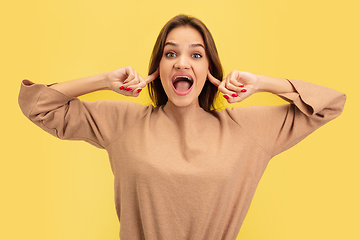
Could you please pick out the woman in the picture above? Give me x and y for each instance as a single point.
(182, 170)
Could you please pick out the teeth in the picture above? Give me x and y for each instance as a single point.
(183, 77)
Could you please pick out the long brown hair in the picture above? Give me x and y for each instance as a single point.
(209, 91)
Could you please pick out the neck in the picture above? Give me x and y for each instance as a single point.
(180, 114)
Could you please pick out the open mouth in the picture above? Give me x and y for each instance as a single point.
(182, 84)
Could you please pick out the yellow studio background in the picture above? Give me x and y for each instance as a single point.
(56, 190)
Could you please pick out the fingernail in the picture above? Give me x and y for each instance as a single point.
(226, 96)
(128, 89)
(234, 95)
(139, 90)
(241, 85)
(122, 88)
(243, 90)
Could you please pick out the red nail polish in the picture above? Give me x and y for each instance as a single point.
(243, 90)
(234, 95)
(139, 90)
(128, 89)
(241, 85)
(122, 88)
(226, 96)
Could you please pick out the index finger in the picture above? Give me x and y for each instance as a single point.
(213, 80)
(152, 76)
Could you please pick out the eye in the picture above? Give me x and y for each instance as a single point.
(170, 54)
(197, 55)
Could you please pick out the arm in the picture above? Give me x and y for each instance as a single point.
(239, 85)
(277, 128)
(125, 81)
(274, 85)
(56, 109)
(83, 86)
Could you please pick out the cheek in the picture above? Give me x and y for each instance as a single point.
(203, 70)
(163, 68)
(205, 67)
(203, 76)
(163, 75)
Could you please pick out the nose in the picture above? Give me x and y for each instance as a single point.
(182, 63)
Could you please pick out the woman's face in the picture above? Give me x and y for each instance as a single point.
(183, 66)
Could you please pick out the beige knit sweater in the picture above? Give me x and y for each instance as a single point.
(183, 173)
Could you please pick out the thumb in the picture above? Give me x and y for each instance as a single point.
(152, 76)
(213, 80)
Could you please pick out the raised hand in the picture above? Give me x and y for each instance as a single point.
(127, 81)
(237, 85)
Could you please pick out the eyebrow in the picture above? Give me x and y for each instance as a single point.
(191, 45)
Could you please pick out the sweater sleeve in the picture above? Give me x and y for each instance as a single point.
(277, 128)
(98, 123)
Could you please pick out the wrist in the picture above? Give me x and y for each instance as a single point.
(104, 81)
(261, 84)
